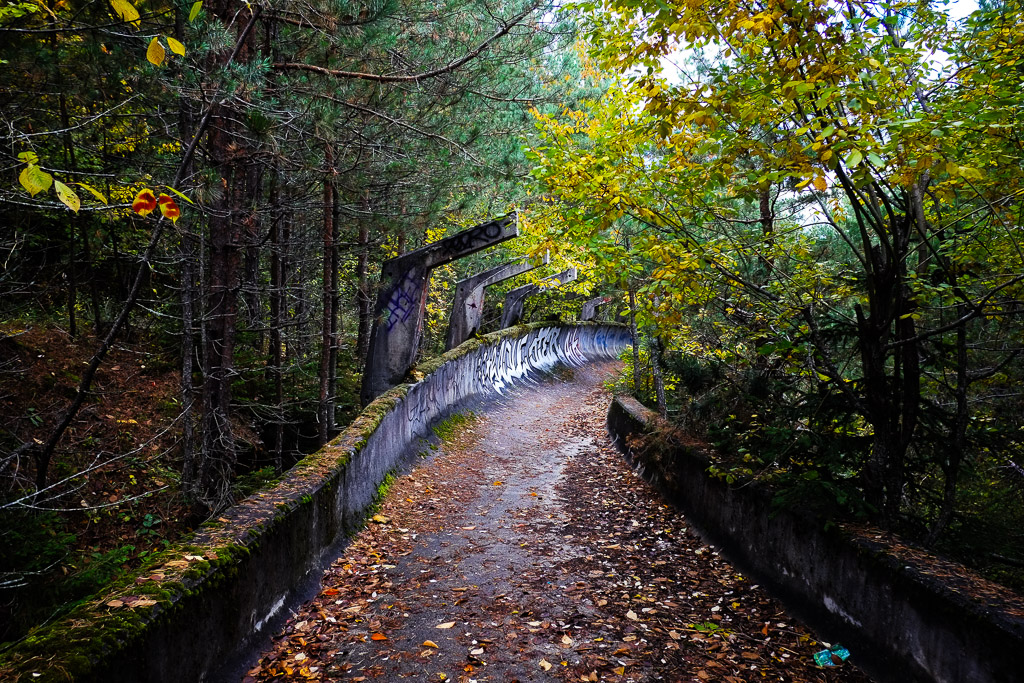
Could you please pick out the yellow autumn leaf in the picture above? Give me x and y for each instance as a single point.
(155, 52)
(447, 624)
(126, 11)
(820, 184)
(194, 12)
(171, 189)
(177, 47)
(96, 193)
(35, 179)
(430, 643)
(67, 196)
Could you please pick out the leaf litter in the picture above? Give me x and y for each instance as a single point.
(572, 569)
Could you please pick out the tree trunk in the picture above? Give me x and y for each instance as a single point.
(231, 156)
(189, 294)
(324, 412)
(277, 308)
(634, 337)
(891, 390)
(363, 295)
(956, 447)
(219, 449)
(767, 217)
(657, 353)
(332, 369)
(72, 283)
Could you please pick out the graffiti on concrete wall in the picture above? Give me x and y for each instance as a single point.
(468, 239)
(404, 300)
(499, 366)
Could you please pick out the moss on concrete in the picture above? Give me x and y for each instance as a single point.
(94, 636)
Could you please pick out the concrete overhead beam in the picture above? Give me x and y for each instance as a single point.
(468, 306)
(401, 303)
(512, 312)
(590, 307)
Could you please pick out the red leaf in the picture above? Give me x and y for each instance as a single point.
(145, 202)
(168, 208)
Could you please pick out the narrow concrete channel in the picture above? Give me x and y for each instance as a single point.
(525, 550)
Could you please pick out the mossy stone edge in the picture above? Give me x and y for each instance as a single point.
(91, 641)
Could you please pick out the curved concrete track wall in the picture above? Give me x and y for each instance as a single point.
(904, 615)
(191, 613)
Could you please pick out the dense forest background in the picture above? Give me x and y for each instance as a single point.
(198, 200)
(816, 208)
(810, 210)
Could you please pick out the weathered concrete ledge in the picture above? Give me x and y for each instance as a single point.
(905, 615)
(195, 607)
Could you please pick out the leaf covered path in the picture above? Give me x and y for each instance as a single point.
(526, 550)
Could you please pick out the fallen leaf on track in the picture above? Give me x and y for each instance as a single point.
(447, 624)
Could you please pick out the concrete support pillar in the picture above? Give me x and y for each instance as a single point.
(590, 307)
(512, 313)
(401, 303)
(468, 306)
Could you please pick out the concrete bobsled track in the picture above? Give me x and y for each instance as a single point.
(194, 611)
(906, 616)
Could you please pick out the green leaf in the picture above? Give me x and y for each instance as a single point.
(855, 156)
(876, 160)
(194, 12)
(171, 189)
(35, 180)
(126, 11)
(67, 196)
(29, 158)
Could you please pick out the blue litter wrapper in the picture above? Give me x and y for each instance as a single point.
(828, 657)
